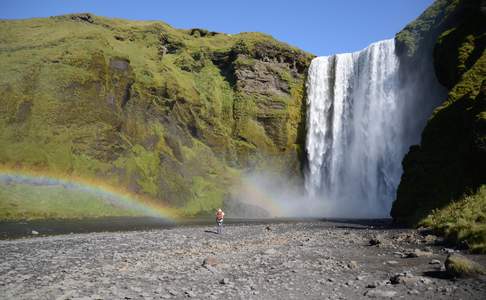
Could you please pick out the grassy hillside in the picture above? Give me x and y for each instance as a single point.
(24, 201)
(173, 115)
(462, 221)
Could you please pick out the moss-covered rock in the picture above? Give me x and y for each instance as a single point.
(460, 266)
(170, 114)
(419, 36)
(451, 159)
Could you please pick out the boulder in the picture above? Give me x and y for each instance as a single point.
(460, 266)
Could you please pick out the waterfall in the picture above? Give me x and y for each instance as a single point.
(359, 128)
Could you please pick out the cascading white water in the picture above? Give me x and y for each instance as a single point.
(357, 131)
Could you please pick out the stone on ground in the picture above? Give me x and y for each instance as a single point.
(459, 266)
(380, 293)
(210, 261)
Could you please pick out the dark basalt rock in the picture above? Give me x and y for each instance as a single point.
(84, 17)
(374, 242)
(450, 161)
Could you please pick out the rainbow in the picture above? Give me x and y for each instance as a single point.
(278, 199)
(257, 196)
(144, 205)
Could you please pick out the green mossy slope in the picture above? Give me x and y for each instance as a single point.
(173, 115)
(462, 221)
(419, 36)
(451, 159)
(26, 201)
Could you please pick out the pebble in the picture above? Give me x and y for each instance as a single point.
(413, 292)
(172, 292)
(210, 261)
(418, 253)
(353, 264)
(270, 251)
(403, 278)
(448, 250)
(185, 262)
(190, 294)
(376, 293)
(430, 238)
(374, 241)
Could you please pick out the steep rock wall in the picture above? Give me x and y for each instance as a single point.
(451, 159)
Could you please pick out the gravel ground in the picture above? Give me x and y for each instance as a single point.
(296, 260)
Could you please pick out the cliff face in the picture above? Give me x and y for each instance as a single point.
(451, 159)
(174, 115)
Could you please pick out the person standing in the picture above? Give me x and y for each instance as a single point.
(219, 220)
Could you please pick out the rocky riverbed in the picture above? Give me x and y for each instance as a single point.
(288, 260)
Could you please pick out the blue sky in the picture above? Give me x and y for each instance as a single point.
(321, 27)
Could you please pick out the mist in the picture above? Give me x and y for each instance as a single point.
(364, 110)
(265, 194)
(270, 195)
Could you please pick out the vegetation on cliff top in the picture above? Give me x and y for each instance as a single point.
(173, 115)
(419, 36)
